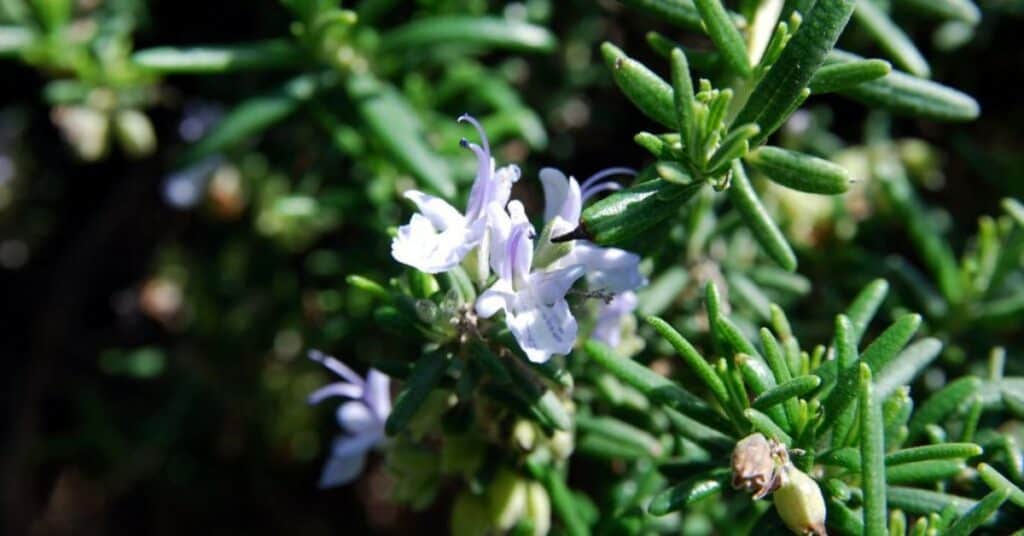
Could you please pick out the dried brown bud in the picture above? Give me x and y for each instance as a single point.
(755, 464)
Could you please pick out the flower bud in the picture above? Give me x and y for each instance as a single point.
(538, 508)
(506, 499)
(135, 133)
(799, 502)
(85, 129)
(754, 466)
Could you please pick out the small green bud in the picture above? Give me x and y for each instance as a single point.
(538, 508)
(561, 444)
(135, 133)
(506, 499)
(470, 516)
(547, 251)
(524, 433)
(800, 503)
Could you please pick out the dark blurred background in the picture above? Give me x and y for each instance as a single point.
(216, 438)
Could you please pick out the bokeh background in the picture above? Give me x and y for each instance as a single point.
(154, 381)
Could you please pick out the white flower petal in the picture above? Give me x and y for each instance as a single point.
(355, 417)
(541, 330)
(552, 285)
(608, 328)
(339, 471)
(378, 394)
(420, 245)
(497, 298)
(610, 269)
(556, 188)
(440, 214)
(347, 390)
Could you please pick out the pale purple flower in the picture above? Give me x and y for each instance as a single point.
(361, 417)
(533, 300)
(438, 237)
(608, 269)
(184, 188)
(608, 328)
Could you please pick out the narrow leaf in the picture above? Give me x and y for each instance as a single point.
(658, 388)
(905, 367)
(979, 513)
(785, 83)
(942, 403)
(382, 107)
(865, 305)
(682, 89)
(891, 38)
(800, 171)
(733, 146)
(688, 492)
(924, 472)
(840, 76)
(487, 32)
(652, 95)
(747, 203)
(562, 500)
(725, 35)
(920, 501)
(261, 55)
(796, 387)
(619, 432)
(425, 376)
(692, 358)
(904, 94)
(872, 455)
(941, 451)
(962, 10)
(996, 480)
(680, 13)
(764, 424)
(253, 116)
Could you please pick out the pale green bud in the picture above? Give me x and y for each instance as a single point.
(85, 129)
(506, 498)
(524, 433)
(561, 444)
(538, 508)
(135, 133)
(547, 251)
(800, 503)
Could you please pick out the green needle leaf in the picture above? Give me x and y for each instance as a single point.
(979, 513)
(254, 115)
(891, 38)
(924, 502)
(725, 35)
(680, 13)
(764, 424)
(800, 171)
(796, 387)
(688, 492)
(785, 83)
(872, 455)
(658, 388)
(382, 107)
(904, 94)
(905, 367)
(684, 105)
(840, 76)
(933, 452)
(996, 480)
(485, 32)
(733, 146)
(619, 432)
(562, 500)
(262, 55)
(924, 472)
(652, 95)
(942, 403)
(692, 358)
(747, 203)
(865, 305)
(962, 10)
(425, 376)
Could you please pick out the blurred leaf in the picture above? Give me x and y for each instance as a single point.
(213, 59)
(488, 32)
